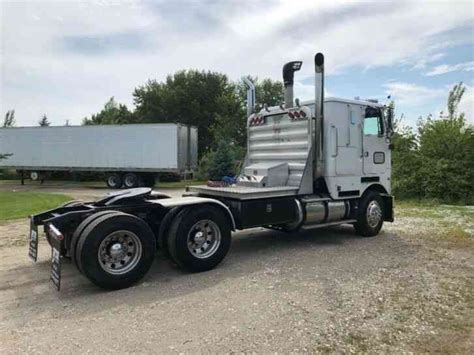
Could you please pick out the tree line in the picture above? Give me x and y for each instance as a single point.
(435, 159)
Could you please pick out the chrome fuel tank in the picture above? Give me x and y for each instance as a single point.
(323, 210)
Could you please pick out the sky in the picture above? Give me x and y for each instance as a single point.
(65, 59)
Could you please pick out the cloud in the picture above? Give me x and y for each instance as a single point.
(67, 58)
(100, 44)
(425, 60)
(409, 95)
(447, 68)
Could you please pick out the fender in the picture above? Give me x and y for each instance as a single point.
(194, 200)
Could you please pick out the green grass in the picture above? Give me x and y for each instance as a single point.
(15, 205)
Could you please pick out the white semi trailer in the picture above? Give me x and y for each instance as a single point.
(308, 165)
(129, 155)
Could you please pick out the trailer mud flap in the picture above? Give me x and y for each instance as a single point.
(56, 239)
(33, 245)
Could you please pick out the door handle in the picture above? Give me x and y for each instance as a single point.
(366, 154)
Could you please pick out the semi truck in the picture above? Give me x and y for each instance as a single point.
(127, 155)
(308, 165)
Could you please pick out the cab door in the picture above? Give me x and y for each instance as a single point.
(376, 155)
(348, 141)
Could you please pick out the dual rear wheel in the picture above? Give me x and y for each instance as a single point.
(199, 238)
(115, 250)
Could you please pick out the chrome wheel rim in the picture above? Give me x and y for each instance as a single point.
(119, 252)
(204, 239)
(374, 214)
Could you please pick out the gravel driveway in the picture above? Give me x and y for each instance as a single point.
(408, 290)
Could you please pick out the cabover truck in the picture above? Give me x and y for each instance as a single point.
(128, 156)
(308, 165)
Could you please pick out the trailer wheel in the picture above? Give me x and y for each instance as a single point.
(34, 176)
(199, 238)
(130, 180)
(116, 250)
(370, 216)
(78, 232)
(114, 181)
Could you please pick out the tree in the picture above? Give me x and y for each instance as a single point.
(437, 161)
(455, 96)
(44, 121)
(446, 146)
(267, 92)
(112, 113)
(405, 160)
(204, 99)
(224, 160)
(9, 120)
(230, 123)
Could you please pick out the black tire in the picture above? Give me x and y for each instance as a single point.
(78, 232)
(114, 181)
(183, 226)
(370, 215)
(130, 180)
(102, 230)
(164, 230)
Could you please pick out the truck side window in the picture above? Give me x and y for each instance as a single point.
(371, 126)
(373, 122)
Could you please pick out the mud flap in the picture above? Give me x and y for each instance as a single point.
(33, 245)
(56, 239)
(389, 214)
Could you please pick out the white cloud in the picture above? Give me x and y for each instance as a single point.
(447, 68)
(410, 95)
(425, 60)
(66, 58)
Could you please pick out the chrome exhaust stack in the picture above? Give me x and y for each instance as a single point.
(318, 113)
(250, 95)
(288, 75)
